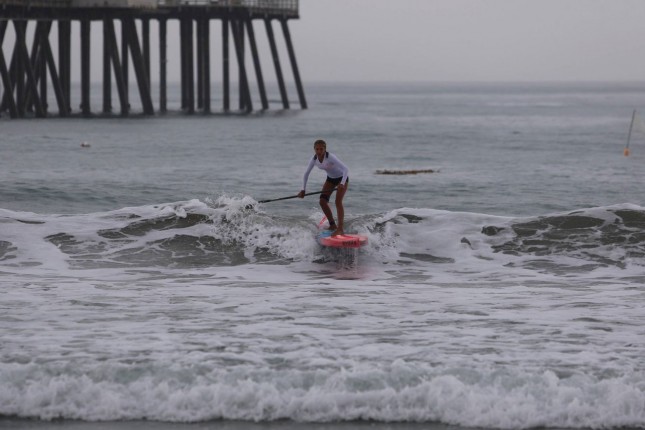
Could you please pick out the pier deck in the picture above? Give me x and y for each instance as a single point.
(97, 9)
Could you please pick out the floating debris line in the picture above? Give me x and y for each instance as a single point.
(405, 172)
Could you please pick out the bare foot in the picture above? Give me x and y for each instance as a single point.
(338, 232)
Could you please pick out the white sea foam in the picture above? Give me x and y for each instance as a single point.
(180, 309)
(103, 320)
(399, 391)
(452, 244)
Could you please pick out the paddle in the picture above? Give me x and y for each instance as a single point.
(292, 197)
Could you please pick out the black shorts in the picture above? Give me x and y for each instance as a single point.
(334, 181)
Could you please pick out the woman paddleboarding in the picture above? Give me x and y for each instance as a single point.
(336, 179)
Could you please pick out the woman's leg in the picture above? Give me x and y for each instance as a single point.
(324, 203)
(340, 210)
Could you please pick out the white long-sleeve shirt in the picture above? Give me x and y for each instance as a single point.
(331, 164)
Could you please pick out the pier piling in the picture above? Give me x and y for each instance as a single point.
(123, 31)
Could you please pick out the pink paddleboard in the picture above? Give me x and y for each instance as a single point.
(325, 238)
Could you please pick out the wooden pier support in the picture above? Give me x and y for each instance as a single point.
(86, 108)
(246, 104)
(226, 78)
(294, 63)
(65, 60)
(163, 60)
(276, 63)
(29, 77)
(7, 82)
(107, 62)
(114, 61)
(256, 64)
(203, 65)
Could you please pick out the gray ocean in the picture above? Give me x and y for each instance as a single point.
(143, 286)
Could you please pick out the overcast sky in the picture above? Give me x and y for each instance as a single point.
(470, 40)
(433, 40)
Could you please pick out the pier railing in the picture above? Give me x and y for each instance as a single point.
(289, 5)
(260, 5)
(36, 3)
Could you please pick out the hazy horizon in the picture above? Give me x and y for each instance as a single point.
(498, 41)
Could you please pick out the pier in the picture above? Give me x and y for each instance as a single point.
(31, 65)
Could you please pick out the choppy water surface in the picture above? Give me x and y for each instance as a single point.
(141, 280)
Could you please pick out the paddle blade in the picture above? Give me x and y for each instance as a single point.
(626, 152)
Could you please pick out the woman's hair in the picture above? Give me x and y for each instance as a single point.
(320, 142)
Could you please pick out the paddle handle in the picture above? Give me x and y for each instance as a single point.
(292, 197)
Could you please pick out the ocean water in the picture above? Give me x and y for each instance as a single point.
(142, 285)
